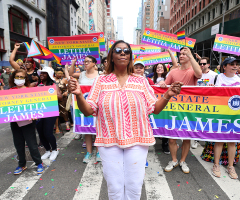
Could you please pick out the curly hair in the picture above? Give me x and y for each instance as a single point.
(163, 75)
(11, 78)
(110, 64)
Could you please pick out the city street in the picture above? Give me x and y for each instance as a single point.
(68, 178)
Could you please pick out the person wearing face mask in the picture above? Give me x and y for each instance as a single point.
(62, 84)
(24, 131)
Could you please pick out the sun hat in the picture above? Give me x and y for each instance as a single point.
(139, 62)
(47, 69)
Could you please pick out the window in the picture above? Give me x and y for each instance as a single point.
(161, 13)
(18, 22)
(203, 3)
(195, 25)
(82, 12)
(209, 16)
(71, 10)
(72, 32)
(37, 30)
(227, 5)
(2, 46)
(200, 5)
(192, 12)
(221, 8)
(74, 13)
(199, 22)
(213, 13)
(71, 21)
(195, 10)
(237, 2)
(75, 24)
(203, 20)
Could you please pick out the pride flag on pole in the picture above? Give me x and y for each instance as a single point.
(27, 45)
(181, 35)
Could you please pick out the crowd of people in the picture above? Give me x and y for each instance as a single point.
(121, 97)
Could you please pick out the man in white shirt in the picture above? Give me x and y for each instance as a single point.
(207, 74)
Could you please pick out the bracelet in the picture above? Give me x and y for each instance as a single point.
(166, 98)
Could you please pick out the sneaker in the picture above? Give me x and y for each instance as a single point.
(19, 170)
(54, 155)
(77, 137)
(40, 169)
(170, 166)
(194, 144)
(46, 155)
(216, 171)
(84, 144)
(146, 165)
(87, 157)
(98, 158)
(184, 167)
(231, 172)
(165, 149)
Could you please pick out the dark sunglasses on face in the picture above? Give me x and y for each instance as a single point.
(203, 63)
(119, 51)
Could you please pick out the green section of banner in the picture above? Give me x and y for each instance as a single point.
(192, 116)
(21, 107)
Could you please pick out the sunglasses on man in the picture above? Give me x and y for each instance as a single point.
(119, 50)
(203, 64)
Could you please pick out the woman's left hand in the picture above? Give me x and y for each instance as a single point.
(174, 89)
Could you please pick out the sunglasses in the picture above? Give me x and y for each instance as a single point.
(19, 77)
(119, 51)
(203, 64)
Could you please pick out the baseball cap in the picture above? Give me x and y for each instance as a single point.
(229, 60)
(139, 62)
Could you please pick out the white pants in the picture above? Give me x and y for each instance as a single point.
(124, 171)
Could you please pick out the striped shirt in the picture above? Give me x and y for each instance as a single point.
(122, 112)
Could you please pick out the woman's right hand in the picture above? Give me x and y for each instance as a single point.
(74, 87)
(17, 46)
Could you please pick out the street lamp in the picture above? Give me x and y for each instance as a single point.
(222, 28)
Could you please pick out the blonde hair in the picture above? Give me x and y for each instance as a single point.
(19, 60)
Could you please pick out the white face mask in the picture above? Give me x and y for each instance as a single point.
(19, 82)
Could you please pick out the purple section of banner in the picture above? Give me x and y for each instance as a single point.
(203, 136)
(44, 115)
(85, 130)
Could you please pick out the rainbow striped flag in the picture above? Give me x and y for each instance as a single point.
(202, 113)
(27, 45)
(215, 70)
(27, 103)
(181, 35)
(142, 49)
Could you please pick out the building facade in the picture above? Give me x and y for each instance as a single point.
(198, 18)
(163, 15)
(96, 16)
(58, 17)
(110, 34)
(120, 28)
(21, 21)
(82, 17)
(73, 17)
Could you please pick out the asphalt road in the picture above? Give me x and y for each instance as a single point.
(68, 178)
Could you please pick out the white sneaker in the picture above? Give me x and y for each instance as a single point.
(54, 155)
(170, 166)
(77, 137)
(194, 144)
(46, 155)
(184, 167)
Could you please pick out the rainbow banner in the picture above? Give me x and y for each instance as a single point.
(227, 44)
(181, 35)
(27, 45)
(199, 113)
(153, 59)
(100, 37)
(27, 103)
(111, 42)
(166, 40)
(67, 48)
(144, 49)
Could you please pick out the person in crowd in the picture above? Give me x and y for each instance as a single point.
(28, 63)
(139, 69)
(87, 78)
(24, 131)
(20, 63)
(160, 72)
(1, 81)
(62, 84)
(104, 63)
(5, 77)
(45, 125)
(188, 73)
(228, 78)
(207, 74)
(123, 128)
(218, 68)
